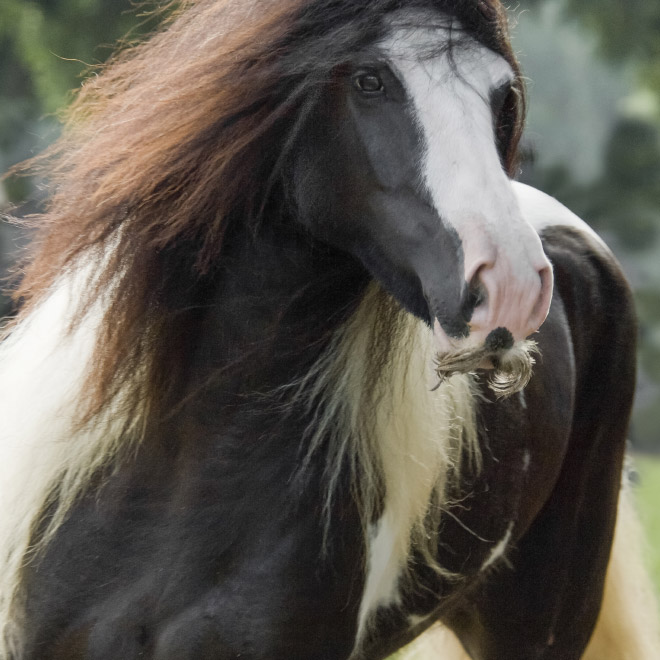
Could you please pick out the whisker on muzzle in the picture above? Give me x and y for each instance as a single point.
(511, 366)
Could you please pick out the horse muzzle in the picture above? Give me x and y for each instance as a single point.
(506, 297)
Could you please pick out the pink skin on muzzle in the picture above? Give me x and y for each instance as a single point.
(513, 276)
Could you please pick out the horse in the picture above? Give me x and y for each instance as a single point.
(300, 371)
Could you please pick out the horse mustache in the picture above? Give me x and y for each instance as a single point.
(510, 364)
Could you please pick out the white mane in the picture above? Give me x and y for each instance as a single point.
(405, 438)
(44, 457)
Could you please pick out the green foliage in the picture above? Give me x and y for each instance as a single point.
(645, 429)
(625, 198)
(54, 42)
(624, 31)
(45, 48)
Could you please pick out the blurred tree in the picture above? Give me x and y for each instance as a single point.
(54, 41)
(572, 115)
(625, 199)
(45, 47)
(627, 30)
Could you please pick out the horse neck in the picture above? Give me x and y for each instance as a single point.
(277, 299)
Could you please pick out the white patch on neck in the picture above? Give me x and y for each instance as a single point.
(527, 457)
(543, 211)
(43, 368)
(383, 568)
(498, 551)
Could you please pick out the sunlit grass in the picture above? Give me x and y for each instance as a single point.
(648, 500)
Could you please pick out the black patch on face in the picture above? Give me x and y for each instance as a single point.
(358, 186)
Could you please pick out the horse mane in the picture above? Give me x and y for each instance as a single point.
(405, 438)
(163, 150)
(159, 152)
(173, 140)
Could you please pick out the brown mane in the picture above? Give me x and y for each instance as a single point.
(173, 140)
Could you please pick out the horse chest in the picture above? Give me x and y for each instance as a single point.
(192, 557)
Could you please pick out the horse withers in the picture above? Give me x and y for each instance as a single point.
(301, 372)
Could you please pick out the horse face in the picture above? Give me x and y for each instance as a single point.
(400, 167)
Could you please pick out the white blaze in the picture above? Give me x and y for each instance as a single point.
(450, 95)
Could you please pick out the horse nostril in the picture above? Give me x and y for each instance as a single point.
(542, 306)
(476, 295)
(546, 277)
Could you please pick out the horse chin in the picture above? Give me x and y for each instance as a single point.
(508, 363)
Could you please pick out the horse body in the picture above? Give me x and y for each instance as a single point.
(215, 547)
(285, 477)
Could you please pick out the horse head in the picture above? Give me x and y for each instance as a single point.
(403, 166)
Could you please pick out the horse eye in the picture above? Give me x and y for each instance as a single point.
(369, 83)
